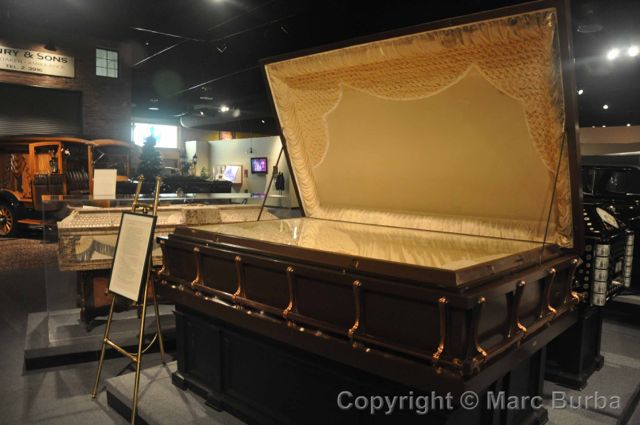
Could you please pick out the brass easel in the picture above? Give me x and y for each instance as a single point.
(135, 357)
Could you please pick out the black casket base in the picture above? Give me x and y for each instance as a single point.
(575, 354)
(262, 381)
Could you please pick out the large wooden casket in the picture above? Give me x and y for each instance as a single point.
(437, 172)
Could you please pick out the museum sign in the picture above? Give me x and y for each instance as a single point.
(21, 60)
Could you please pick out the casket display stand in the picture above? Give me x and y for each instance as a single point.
(262, 381)
(575, 355)
(450, 277)
(604, 274)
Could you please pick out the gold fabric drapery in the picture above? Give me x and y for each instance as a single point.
(517, 54)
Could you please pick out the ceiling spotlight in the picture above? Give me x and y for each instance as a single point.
(224, 108)
(613, 53)
(580, 92)
(263, 121)
(633, 51)
(153, 108)
(146, 43)
(605, 106)
(593, 126)
(603, 126)
(628, 124)
(202, 113)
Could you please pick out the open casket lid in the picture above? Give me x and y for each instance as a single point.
(464, 126)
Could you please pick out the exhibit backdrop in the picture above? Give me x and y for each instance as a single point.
(240, 152)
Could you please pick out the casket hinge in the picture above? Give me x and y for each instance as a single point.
(442, 309)
(548, 286)
(477, 355)
(291, 281)
(514, 323)
(198, 280)
(241, 278)
(572, 296)
(357, 296)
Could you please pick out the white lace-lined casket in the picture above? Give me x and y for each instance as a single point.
(87, 237)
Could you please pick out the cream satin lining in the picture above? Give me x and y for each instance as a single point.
(517, 55)
(420, 248)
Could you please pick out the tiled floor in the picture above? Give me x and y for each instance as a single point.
(61, 395)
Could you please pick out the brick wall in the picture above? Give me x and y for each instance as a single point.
(106, 102)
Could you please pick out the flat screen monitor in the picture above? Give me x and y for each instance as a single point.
(259, 165)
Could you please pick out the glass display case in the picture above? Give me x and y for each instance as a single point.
(79, 237)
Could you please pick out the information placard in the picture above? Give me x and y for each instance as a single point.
(104, 183)
(131, 258)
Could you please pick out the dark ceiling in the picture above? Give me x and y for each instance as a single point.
(190, 57)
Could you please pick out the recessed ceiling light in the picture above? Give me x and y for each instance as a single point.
(580, 91)
(201, 113)
(153, 108)
(628, 124)
(262, 121)
(633, 51)
(613, 53)
(593, 126)
(605, 106)
(224, 108)
(603, 126)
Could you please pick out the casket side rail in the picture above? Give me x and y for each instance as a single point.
(460, 330)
